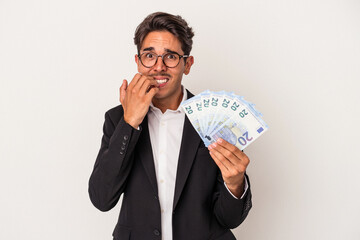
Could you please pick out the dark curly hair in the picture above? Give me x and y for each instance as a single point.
(161, 21)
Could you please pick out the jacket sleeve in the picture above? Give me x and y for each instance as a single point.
(229, 211)
(114, 161)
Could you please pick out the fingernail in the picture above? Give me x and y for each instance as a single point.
(209, 147)
(214, 145)
(219, 140)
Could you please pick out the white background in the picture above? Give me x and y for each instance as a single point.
(61, 65)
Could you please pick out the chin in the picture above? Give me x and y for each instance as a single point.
(160, 95)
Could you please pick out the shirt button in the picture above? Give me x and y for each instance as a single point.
(156, 232)
(162, 124)
(161, 181)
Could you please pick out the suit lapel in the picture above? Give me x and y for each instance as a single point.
(189, 145)
(146, 154)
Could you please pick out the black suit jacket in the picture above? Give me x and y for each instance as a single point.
(202, 209)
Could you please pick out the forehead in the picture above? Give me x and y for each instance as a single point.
(162, 41)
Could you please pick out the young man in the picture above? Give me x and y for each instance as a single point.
(173, 186)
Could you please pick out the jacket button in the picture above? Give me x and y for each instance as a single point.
(126, 137)
(156, 232)
(122, 147)
(121, 152)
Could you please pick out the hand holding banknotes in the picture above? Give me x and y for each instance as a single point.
(136, 98)
(232, 163)
(227, 124)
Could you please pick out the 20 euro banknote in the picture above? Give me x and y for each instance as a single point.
(224, 115)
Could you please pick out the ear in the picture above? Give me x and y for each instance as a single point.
(188, 64)
(137, 60)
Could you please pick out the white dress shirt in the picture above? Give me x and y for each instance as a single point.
(166, 131)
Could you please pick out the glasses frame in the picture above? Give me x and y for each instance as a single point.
(162, 58)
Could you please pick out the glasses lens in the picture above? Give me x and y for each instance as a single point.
(171, 59)
(148, 59)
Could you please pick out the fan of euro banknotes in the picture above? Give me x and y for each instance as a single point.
(224, 115)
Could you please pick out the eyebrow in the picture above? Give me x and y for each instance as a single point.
(166, 50)
(148, 49)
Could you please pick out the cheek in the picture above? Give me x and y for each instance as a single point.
(177, 76)
(179, 71)
(143, 70)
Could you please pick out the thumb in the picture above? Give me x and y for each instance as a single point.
(123, 91)
(152, 92)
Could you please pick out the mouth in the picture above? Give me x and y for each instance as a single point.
(161, 80)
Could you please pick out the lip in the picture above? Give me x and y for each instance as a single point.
(161, 80)
(160, 76)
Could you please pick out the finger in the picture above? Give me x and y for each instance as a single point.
(139, 83)
(235, 155)
(123, 91)
(229, 155)
(217, 152)
(135, 80)
(219, 163)
(232, 170)
(147, 85)
(152, 92)
(230, 147)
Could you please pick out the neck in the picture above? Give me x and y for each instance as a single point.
(165, 104)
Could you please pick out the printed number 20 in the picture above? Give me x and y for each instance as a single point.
(243, 140)
(243, 113)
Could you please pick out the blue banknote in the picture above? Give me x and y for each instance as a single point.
(224, 115)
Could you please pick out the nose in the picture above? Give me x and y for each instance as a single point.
(159, 65)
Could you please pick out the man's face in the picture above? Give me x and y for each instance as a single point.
(169, 79)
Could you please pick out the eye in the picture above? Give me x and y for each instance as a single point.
(171, 56)
(149, 55)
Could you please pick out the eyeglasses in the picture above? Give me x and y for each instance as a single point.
(170, 60)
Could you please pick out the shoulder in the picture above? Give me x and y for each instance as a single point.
(115, 110)
(115, 113)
